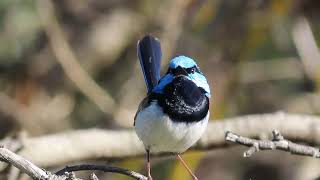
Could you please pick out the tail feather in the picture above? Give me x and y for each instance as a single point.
(149, 53)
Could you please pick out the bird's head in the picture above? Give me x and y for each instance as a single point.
(183, 66)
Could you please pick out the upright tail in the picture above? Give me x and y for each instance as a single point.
(149, 53)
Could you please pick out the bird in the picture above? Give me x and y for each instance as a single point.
(175, 112)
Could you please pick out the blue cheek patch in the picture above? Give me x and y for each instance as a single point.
(164, 81)
(200, 81)
(182, 61)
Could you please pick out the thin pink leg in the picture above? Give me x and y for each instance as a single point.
(149, 165)
(194, 177)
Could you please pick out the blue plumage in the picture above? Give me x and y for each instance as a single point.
(187, 63)
(201, 81)
(165, 80)
(182, 61)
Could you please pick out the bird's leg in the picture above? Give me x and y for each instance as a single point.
(148, 165)
(194, 177)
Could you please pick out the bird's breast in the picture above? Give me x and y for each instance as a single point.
(159, 133)
(183, 100)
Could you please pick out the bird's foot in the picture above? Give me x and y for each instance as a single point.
(150, 177)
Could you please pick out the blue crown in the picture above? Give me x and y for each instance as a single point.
(182, 61)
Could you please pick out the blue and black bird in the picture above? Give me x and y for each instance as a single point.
(175, 112)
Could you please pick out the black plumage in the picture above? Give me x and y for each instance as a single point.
(183, 100)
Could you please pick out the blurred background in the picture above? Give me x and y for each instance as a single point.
(72, 64)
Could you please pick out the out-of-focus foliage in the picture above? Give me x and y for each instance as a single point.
(259, 56)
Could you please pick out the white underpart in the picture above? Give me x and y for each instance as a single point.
(160, 134)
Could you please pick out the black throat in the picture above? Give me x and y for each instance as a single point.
(183, 100)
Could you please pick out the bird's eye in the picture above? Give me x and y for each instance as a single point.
(192, 70)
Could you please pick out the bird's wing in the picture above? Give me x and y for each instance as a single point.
(149, 53)
(144, 103)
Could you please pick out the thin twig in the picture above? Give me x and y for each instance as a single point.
(277, 143)
(93, 177)
(92, 167)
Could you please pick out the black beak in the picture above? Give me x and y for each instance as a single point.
(180, 71)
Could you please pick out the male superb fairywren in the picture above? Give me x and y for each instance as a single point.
(175, 112)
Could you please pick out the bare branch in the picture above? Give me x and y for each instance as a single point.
(92, 167)
(66, 147)
(277, 143)
(73, 146)
(22, 164)
(66, 173)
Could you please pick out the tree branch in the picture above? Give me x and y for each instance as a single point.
(22, 164)
(72, 146)
(66, 147)
(278, 142)
(92, 167)
(36, 173)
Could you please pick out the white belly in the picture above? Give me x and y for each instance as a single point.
(159, 134)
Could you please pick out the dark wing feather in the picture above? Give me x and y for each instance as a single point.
(144, 103)
(149, 53)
